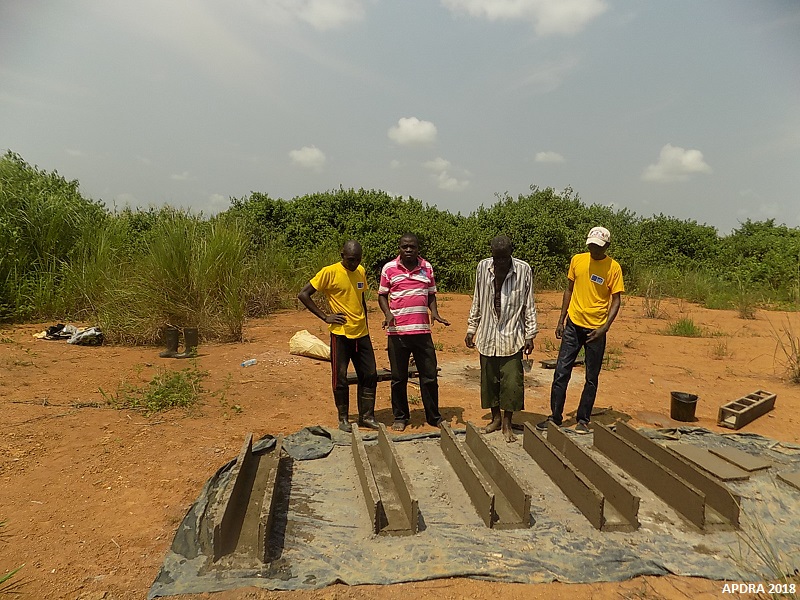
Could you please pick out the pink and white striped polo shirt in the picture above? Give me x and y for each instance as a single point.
(408, 293)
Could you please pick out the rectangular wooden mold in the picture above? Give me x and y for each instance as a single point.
(391, 504)
(738, 413)
(228, 520)
(717, 495)
(686, 499)
(580, 491)
(267, 514)
(402, 484)
(474, 482)
(616, 494)
(512, 504)
(242, 519)
(369, 488)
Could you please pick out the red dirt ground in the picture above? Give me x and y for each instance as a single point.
(92, 495)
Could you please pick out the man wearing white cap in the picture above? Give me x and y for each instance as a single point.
(589, 307)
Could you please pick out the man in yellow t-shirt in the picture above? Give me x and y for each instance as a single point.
(344, 284)
(590, 305)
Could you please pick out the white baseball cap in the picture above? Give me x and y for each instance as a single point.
(598, 235)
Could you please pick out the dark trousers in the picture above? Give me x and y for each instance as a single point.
(573, 339)
(401, 348)
(360, 352)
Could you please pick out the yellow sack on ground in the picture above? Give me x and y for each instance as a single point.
(307, 344)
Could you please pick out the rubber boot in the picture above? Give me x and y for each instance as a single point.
(190, 339)
(171, 335)
(366, 408)
(342, 400)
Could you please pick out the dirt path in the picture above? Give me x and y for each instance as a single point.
(92, 496)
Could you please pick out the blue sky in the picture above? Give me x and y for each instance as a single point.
(686, 108)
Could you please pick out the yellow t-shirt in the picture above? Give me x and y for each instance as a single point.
(344, 290)
(595, 282)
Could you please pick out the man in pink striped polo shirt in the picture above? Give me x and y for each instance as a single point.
(406, 293)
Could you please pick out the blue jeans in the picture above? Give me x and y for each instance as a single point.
(572, 340)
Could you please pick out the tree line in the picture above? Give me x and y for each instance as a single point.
(132, 271)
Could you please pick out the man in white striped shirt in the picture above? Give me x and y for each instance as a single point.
(502, 324)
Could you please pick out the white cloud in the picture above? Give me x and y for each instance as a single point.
(438, 164)
(549, 17)
(320, 14)
(549, 157)
(450, 184)
(394, 164)
(180, 176)
(442, 169)
(309, 157)
(74, 152)
(411, 131)
(675, 164)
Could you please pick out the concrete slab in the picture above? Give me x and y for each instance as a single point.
(714, 465)
(741, 459)
(792, 478)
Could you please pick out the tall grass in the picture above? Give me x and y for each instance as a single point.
(277, 273)
(42, 216)
(788, 350)
(191, 273)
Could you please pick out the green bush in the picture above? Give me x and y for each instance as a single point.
(684, 328)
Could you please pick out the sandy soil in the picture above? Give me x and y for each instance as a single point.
(92, 495)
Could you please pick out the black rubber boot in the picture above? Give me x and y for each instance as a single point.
(190, 339)
(366, 408)
(171, 335)
(342, 401)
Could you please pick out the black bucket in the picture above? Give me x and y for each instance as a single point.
(682, 406)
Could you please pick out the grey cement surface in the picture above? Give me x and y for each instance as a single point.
(323, 532)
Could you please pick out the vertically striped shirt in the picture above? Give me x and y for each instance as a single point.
(504, 335)
(408, 292)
